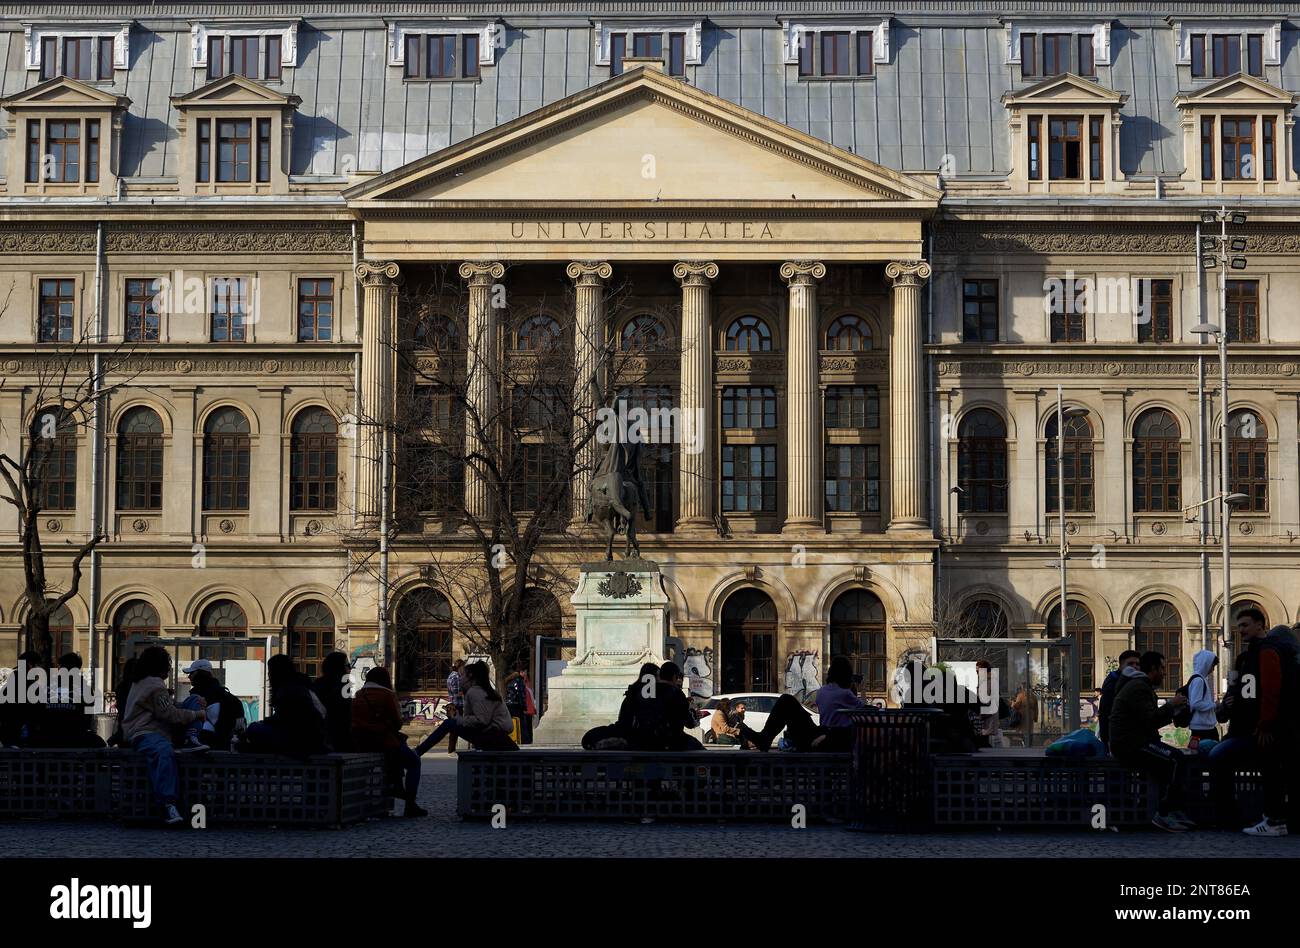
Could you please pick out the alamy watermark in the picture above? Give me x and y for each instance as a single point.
(39, 685)
(1102, 296)
(624, 424)
(918, 683)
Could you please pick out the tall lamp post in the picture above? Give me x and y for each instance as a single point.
(1223, 252)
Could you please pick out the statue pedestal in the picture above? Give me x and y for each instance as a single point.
(622, 622)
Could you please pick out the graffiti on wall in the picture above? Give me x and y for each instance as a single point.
(430, 709)
(803, 674)
(697, 666)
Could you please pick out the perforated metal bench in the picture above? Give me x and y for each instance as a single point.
(326, 789)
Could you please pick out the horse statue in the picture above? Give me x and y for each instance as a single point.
(616, 488)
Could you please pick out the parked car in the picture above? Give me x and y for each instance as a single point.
(758, 705)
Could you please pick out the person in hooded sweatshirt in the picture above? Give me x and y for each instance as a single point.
(1135, 722)
(1200, 696)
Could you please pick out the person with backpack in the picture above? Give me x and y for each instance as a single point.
(296, 726)
(1199, 712)
(517, 703)
(1127, 659)
(223, 711)
(485, 722)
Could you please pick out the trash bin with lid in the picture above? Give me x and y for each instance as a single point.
(889, 784)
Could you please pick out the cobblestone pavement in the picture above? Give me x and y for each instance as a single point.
(443, 834)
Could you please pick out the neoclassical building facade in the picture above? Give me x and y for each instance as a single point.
(879, 239)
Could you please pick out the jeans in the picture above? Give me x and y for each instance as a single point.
(161, 759)
(1168, 765)
(483, 738)
(409, 761)
(1240, 753)
(786, 715)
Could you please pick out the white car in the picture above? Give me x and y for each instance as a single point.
(758, 705)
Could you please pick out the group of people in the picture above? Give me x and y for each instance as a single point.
(1261, 708)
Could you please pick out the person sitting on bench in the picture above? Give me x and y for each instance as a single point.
(615, 736)
(833, 699)
(486, 722)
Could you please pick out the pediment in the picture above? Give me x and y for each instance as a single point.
(642, 137)
(1240, 89)
(64, 93)
(1065, 89)
(232, 91)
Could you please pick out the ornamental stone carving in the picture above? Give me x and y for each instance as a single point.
(54, 526)
(374, 273)
(692, 273)
(140, 525)
(907, 272)
(227, 526)
(589, 272)
(802, 271)
(481, 272)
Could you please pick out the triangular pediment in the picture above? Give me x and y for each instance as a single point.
(643, 137)
(1065, 89)
(63, 92)
(234, 90)
(1240, 89)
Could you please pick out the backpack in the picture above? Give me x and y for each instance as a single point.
(1183, 716)
(516, 695)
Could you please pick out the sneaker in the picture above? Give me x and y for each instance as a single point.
(194, 747)
(1168, 824)
(414, 809)
(173, 815)
(1178, 816)
(1265, 828)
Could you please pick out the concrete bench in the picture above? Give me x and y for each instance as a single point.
(326, 789)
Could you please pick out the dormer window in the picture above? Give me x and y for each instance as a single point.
(1065, 132)
(87, 52)
(235, 137)
(441, 56)
(1237, 137)
(676, 42)
(1216, 55)
(63, 151)
(1051, 54)
(825, 50)
(259, 50)
(66, 135)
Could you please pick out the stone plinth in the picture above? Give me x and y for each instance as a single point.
(622, 622)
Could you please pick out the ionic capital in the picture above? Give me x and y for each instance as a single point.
(482, 272)
(589, 272)
(695, 273)
(907, 272)
(802, 272)
(377, 273)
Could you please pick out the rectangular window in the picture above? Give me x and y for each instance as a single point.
(414, 60)
(853, 478)
(204, 152)
(852, 407)
(1238, 158)
(229, 309)
(315, 310)
(1241, 302)
(1255, 54)
(835, 54)
(264, 149)
(49, 57)
(78, 58)
(1156, 310)
(677, 54)
(142, 321)
(1056, 53)
(469, 67)
(1028, 54)
(1207, 148)
(1068, 313)
(57, 304)
(234, 150)
(105, 59)
(216, 57)
(1064, 148)
(1034, 142)
(1198, 56)
(1226, 54)
(647, 44)
(1268, 150)
(243, 56)
(866, 53)
(749, 478)
(979, 316)
(63, 145)
(92, 151)
(273, 68)
(1095, 141)
(33, 151)
(807, 53)
(541, 473)
(617, 53)
(1087, 65)
(441, 62)
(748, 407)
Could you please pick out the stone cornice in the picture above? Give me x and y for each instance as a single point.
(1046, 237)
(1146, 368)
(192, 363)
(156, 238)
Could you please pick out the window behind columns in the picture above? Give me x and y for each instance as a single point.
(656, 461)
(749, 453)
(851, 469)
(748, 334)
(848, 333)
(982, 463)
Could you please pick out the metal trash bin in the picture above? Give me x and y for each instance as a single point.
(889, 785)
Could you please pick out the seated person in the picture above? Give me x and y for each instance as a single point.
(64, 721)
(377, 728)
(224, 714)
(486, 722)
(616, 734)
(661, 715)
(725, 721)
(833, 699)
(296, 726)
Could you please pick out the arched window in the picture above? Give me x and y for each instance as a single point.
(643, 333)
(423, 642)
(1159, 628)
(226, 460)
(849, 334)
(314, 461)
(748, 642)
(1076, 467)
(311, 635)
(1157, 475)
(438, 333)
(223, 619)
(858, 634)
(982, 462)
(140, 460)
(54, 458)
(983, 619)
(136, 617)
(1248, 458)
(540, 333)
(63, 633)
(1079, 623)
(749, 334)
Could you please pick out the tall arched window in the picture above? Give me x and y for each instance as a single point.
(982, 462)
(140, 460)
(643, 333)
(136, 617)
(749, 334)
(849, 334)
(748, 642)
(226, 460)
(437, 332)
(1159, 628)
(314, 461)
(1157, 473)
(983, 619)
(540, 333)
(858, 634)
(54, 458)
(1079, 623)
(1076, 467)
(423, 641)
(64, 633)
(311, 635)
(1248, 458)
(223, 619)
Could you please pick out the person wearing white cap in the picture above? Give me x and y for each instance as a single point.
(224, 710)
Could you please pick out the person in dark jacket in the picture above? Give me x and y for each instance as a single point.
(20, 720)
(64, 720)
(229, 710)
(621, 729)
(517, 703)
(1135, 721)
(296, 726)
(1127, 659)
(377, 728)
(662, 714)
(334, 689)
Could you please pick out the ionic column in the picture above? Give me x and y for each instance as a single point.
(803, 452)
(696, 492)
(377, 318)
(589, 321)
(481, 386)
(907, 398)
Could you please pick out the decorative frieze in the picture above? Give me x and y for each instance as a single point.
(1128, 238)
(997, 368)
(176, 239)
(161, 364)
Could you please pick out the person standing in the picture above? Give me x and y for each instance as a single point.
(1135, 721)
(455, 699)
(1127, 659)
(1200, 698)
(517, 702)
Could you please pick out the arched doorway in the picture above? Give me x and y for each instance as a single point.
(858, 634)
(423, 641)
(748, 642)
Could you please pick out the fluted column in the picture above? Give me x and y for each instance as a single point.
(696, 491)
(803, 450)
(589, 321)
(481, 385)
(378, 281)
(907, 398)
